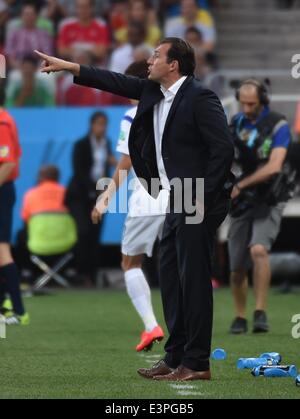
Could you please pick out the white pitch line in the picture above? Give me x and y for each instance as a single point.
(182, 386)
(189, 393)
(153, 356)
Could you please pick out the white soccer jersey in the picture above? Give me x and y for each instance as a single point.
(141, 204)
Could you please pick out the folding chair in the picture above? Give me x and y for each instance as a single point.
(51, 234)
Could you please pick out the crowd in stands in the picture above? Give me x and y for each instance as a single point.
(106, 33)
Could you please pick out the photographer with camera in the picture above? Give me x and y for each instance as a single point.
(264, 185)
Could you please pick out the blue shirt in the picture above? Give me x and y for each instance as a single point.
(248, 131)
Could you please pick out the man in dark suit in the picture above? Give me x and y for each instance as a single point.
(91, 160)
(180, 131)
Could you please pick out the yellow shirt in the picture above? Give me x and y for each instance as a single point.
(205, 18)
(152, 39)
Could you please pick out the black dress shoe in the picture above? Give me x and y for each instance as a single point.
(260, 323)
(159, 368)
(239, 326)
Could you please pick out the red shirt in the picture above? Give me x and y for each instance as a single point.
(73, 32)
(10, 150)
(70, 94)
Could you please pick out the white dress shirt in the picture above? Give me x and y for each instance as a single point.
(161, 112)
(140, 204)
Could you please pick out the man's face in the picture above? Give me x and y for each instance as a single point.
(99, 127)
(189, 9)
(159, 68)
(138, 12)
(29, 17)
(194, 39)
(84, 9)
(250, 102)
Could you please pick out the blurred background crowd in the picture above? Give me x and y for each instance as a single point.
(106, 33)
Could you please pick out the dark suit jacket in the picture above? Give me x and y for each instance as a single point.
(197, 142)
(81, 186)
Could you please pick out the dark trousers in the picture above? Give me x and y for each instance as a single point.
(186, 253)
(87, 248)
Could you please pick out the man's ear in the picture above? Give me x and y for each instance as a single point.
(175, 66)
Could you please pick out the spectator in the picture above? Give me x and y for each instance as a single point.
(67, 8)
(55, 11)
(3, 20)
(171, 8)
(206, 62)
(10, 9)
(91, 161)
(211, 78)
(118, 15)
(191, 15)
(22, 41)
(139, 11)
(47, 196)
(123, 56)
(84, 33)
(195, 38)
(70, 94)
(31, 91)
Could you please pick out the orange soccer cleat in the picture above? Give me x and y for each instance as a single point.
(148, 338)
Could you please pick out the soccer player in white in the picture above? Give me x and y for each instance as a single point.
(143, 225)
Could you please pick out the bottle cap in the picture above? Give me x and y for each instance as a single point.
(219, 354)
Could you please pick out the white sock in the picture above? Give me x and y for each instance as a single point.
(140, 295)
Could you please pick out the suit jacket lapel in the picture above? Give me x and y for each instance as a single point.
(154, 96)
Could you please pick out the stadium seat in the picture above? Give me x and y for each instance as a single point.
(51, 234)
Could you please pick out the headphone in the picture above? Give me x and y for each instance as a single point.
(262, 90)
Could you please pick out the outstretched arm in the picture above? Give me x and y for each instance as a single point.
(130, 87)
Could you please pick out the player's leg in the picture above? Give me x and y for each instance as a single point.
(138, 239)
(8, 270)
(11, 277)
(2, 292)
(138, 290)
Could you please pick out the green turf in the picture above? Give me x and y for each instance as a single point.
(81, 345)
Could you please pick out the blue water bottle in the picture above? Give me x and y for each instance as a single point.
(298, 381)
(272, 355)
(219, 354)
(249, 363)
(282, 371)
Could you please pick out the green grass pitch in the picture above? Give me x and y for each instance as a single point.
(81, 345)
